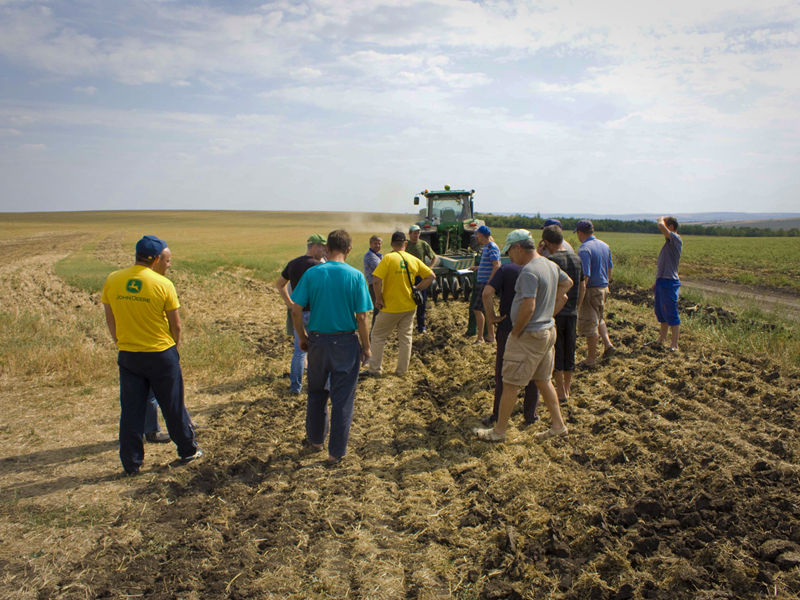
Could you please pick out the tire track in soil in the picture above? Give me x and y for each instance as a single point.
(674, 482)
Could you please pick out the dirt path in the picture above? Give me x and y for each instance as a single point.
(769, 301)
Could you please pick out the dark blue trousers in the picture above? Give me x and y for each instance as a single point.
(138, 373)
(151, 415)
(337, 356)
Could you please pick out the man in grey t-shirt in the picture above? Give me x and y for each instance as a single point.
(541, 291)
(535, 281)
(667, 282)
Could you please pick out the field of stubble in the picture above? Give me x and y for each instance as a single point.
(680, 478)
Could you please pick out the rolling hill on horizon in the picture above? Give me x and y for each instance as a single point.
(708, 218)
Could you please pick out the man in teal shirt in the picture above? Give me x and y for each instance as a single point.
(339, 300)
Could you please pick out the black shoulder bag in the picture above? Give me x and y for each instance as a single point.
(416, 295)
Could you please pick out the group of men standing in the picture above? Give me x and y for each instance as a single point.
(548, 296)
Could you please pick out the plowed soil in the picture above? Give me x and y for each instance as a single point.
(679, 479)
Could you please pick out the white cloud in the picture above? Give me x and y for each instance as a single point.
(180, 83)
(89, 90)
(306, 73)
(10, 132)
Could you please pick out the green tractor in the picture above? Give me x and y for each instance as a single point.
(447, 223)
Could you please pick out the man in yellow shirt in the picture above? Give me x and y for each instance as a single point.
(391, 281)
(141, 309)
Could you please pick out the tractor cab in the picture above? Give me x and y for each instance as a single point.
(447, 220)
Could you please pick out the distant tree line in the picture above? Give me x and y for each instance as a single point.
(641, 226)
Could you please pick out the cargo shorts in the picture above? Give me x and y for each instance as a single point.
(529, 357)
(590, 314)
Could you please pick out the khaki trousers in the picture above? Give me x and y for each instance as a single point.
(385, 324)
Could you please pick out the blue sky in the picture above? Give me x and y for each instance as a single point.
(564, 107)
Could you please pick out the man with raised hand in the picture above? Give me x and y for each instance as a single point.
(542, 247)
(339, 301)
(372, 257)
(567, 319)
(393, 279)
(540, 292)
(667, 282)
(596, 261)
(141, 309)
(421, 250)
(504, 283)
(490, 262)
(291, 274)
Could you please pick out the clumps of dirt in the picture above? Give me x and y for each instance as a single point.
(637, 295)
(716, 315)
(679, 479)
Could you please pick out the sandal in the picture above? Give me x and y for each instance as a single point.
(586, 366)
(551, 433)
(488, 435)
(609, 353)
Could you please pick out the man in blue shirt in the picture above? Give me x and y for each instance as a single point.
(595, 258)
(490, 262)
(338, 297)
(667, 282)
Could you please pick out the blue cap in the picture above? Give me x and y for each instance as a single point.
(551, 222)
(150, 246)
(483, 229)
(583, 225)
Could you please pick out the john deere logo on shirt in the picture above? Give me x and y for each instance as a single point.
(134, 286)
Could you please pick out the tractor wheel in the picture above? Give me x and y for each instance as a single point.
(455, 288)
(467, 288)
(433, 291)
(445, 289)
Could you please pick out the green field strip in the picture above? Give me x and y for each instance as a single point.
(82, 270)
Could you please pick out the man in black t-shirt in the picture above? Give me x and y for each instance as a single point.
(503, 282)
(567, 318)
(291, 275)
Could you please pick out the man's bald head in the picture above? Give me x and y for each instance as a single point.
(162, 263)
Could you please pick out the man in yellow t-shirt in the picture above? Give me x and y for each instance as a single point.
(141, 309)
(391, 281)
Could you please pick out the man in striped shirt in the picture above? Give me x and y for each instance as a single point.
(490, 262)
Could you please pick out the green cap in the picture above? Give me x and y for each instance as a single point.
(414, 228)
(518, 235)
(317, 239)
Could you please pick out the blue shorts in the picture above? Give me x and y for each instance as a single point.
(667, 301)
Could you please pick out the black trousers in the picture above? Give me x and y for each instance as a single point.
(138, 373)
(566, 340)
